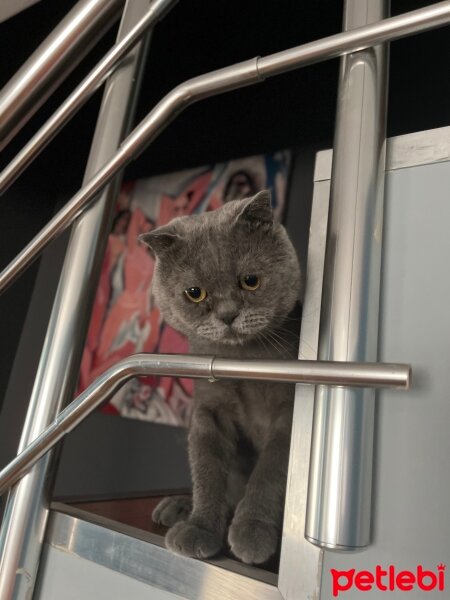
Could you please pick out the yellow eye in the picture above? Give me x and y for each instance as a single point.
(195, 294)
(250, 282)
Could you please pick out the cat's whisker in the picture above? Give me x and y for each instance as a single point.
(282, 338)
(260, 339)
(284, 327)
(278, 342)
(266, 339)
(273, 332)
(309, 345)
(284, 317)
(300, 354)
(271, 342)
(281, 330)
(286, 334)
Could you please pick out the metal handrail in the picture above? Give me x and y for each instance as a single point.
(26, 510)
(216, 82)
(377, 375)
(52, 62)
(90, 84)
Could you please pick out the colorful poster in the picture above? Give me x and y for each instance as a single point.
(125, 319)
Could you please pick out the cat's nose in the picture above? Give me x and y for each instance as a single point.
(228, 318)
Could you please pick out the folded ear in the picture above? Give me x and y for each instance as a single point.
(161, 239)
(257, 211)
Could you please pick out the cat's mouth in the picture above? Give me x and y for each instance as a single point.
(235, 337)
(229, 337)
(239, 333)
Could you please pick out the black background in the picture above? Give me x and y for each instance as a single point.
(289, 111)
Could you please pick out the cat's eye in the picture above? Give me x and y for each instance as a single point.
(250, 282)
(195, 294)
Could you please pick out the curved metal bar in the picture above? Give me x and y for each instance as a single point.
(360, 38)
(164, 112)
(217, 82)
(81, 94)
(53, 60)
(199, 367)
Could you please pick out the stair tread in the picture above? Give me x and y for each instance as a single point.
(135, 512)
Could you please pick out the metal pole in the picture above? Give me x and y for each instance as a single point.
(203, 86)
(353, 374)
(217, 82)
(25, 517)
(340, 485)
(81, 94)
(199, 367)
(50, 64)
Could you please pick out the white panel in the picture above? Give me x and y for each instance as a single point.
(412, 486)
(66, 576)
(412, 149)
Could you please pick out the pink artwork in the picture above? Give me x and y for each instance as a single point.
(124, 317)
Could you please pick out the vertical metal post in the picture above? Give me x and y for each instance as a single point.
(340, 485)
(26, 512)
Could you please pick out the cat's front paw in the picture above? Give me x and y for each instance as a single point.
(191, 540)
(252, 541)
(172, 510)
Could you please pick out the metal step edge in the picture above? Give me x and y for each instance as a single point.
(142, 556)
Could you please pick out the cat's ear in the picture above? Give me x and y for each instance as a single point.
(161, 239)
(256, 212)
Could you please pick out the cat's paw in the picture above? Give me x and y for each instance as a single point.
(252, 541)
(172, 510)
(191, 540)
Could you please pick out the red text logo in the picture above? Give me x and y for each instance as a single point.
(388, 580)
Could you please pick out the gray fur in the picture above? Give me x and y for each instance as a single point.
(171, 510)
(240, 431)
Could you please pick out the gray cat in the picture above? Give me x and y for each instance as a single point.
(230, 280)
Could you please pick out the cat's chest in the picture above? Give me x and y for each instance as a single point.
(255, 408)
(252, 412)
(265, 406)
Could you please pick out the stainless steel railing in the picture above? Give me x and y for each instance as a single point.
(52, 61)
(14, 539)
(346, 374)
(339, 514)
(26, 510)
(90, 84)
(217, 82)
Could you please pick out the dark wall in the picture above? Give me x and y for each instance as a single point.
(293, 110)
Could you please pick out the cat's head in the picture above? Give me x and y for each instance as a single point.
(225, 276)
